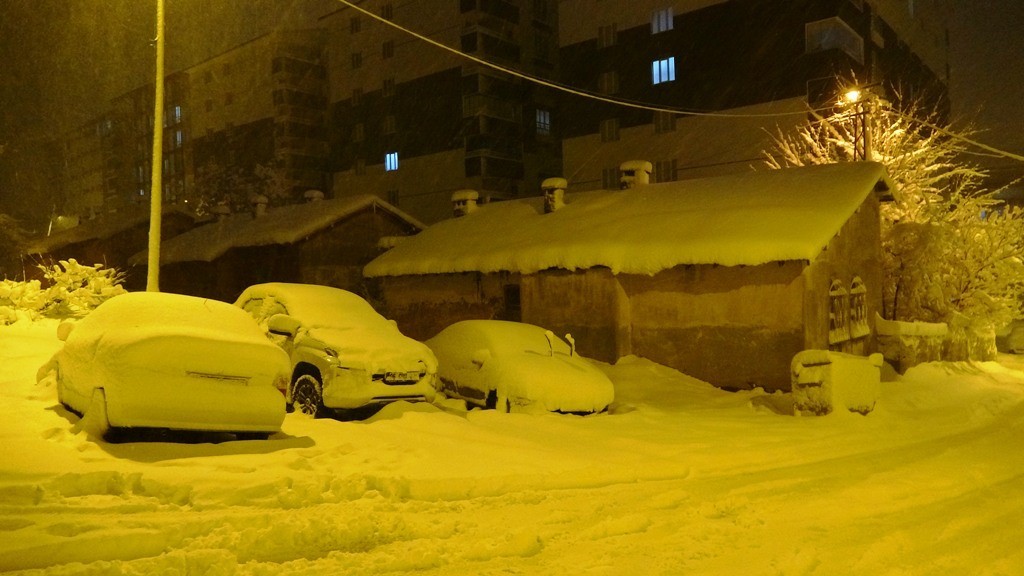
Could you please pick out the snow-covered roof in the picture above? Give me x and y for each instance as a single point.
(280, 225)
(101, 228)
(749, 218)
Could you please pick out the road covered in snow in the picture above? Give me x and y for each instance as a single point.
(679, 478)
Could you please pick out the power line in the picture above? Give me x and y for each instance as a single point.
(563, 87)
(962, 138)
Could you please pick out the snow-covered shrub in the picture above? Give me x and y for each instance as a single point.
(26, 297)
(74, 289)
(824, 381)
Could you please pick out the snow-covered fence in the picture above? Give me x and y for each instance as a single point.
(907, 344)
(824, 381)
(968, 340)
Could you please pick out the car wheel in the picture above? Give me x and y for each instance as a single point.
(306, 396)
(498, 402)
(504, 405)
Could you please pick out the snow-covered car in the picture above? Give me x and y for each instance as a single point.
(157, 360)
(344, 354)
(517, 367)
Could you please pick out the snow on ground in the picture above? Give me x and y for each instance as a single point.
(679, 478)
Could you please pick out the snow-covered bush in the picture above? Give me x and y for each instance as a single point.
(15, 297)
(75, 288)
(72, 290)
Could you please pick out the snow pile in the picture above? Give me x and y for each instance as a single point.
(678, 478)
(749, 218)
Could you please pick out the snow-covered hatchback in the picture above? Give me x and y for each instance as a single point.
(344, 354)
(157, 360)
(517, 367)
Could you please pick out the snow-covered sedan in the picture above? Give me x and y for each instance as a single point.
(157, 360)
(517, 367)
(344, 354)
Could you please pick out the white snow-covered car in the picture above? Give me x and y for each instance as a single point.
(517, 367)
(158, 360)
(345, 356)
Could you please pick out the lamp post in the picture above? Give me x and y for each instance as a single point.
(863, 101)
(156, 195)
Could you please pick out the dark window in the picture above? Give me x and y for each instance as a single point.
(513, 305)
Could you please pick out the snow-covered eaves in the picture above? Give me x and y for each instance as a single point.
(741, 219)
(280, 225)
(101, 228)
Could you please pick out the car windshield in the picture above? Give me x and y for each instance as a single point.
(330, 308)
(514, 338)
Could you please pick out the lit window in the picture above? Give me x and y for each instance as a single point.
(833, 34)
(838, 313)
(543, 121)
(661, 21)
(391, 161)
(663, 70)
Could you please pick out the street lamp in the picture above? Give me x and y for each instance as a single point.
(862, 100)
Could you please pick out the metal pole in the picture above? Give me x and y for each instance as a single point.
(156, 195)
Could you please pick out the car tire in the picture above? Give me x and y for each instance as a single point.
(504, 404)
(307, 397)
(499, 402)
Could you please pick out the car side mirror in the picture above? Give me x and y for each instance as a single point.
(481, 356)
(283, 325)
(64, 330)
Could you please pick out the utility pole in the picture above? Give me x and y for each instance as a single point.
(156, 194)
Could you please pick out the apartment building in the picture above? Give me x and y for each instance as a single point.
(745, 68)
(414, 123)
(345, 103)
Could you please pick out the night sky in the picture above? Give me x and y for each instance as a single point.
(62, 59)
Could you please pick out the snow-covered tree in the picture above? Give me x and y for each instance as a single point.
(950, 248)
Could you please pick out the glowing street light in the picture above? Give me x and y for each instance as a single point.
(861, 98)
